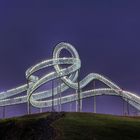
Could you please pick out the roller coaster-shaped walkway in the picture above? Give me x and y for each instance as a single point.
(68, 77)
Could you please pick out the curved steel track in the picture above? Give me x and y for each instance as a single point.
(68, 77)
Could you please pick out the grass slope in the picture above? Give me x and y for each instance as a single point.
(70, 126)
(88, 126)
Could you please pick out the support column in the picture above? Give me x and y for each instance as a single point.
(28, 102)
(79, 98)
(126, 111)
(60, 107)
(128, 107)
(53, 110)
(81, 102)
(57, 96)
(3, 112)
(40, 110)
(70, 106)
(28, 107)
(94, 98)
(76, 103)
(123, 107)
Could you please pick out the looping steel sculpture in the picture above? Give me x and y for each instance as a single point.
(68, 77)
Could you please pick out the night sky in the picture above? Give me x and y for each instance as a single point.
(105, 33)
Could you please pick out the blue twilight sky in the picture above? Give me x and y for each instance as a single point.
(105, 33)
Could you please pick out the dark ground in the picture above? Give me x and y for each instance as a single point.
(33, 127)
(70, 126)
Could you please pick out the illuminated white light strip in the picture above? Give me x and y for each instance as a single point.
(69, 77)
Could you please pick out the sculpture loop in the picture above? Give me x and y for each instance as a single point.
(68, 76)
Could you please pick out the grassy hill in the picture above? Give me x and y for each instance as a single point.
(70, 126)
